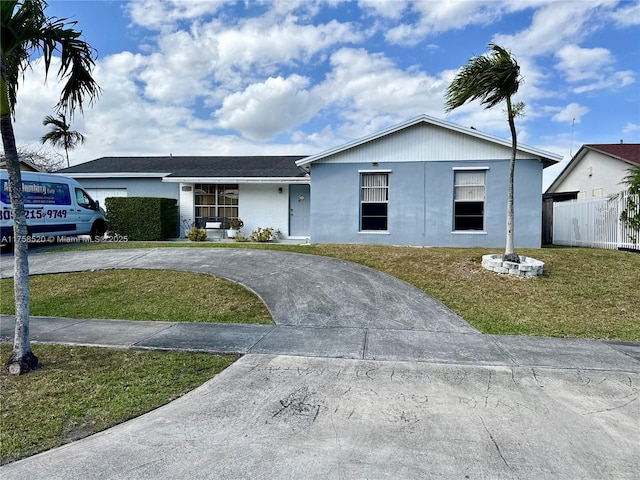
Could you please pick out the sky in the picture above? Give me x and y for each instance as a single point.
(297, 77)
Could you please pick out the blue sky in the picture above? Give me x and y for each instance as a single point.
(297, 77)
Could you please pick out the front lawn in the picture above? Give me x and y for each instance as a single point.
(140, 295)
(80, 391)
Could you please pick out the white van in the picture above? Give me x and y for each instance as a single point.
(55, 207)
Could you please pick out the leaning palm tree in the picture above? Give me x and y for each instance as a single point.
(492, 78)
(26, 32)
(61, 134)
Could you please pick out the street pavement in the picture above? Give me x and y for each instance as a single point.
(362, 376)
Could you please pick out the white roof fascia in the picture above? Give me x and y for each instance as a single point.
(434, 121)
(283, 180)
(115, 175)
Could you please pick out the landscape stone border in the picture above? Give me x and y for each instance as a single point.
(528, 267)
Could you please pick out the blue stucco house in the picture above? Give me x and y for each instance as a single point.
(425, 182)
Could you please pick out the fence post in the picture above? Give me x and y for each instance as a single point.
(619, 222)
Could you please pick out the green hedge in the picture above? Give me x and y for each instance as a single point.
(143, 218)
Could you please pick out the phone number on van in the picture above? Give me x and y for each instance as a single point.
(37, 214)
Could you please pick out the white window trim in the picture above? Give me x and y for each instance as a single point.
(470, 168)
(374, 232)
(484, 217)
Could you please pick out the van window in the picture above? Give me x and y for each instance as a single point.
(39, 193)
(83, 199)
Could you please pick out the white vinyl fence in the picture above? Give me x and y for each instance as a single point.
(592, 223)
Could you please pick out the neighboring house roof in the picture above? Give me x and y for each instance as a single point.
(628, 153)
(25, 165)
(547, 158)
(193, 169)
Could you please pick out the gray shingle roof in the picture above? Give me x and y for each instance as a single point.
(253, 166)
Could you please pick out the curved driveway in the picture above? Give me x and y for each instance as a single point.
(298, 289)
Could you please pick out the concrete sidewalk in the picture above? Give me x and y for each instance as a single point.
(337, 342)
(282, 417)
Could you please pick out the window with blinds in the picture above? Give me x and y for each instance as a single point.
(374, 201)
(469, 198)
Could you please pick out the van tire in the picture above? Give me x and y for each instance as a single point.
(98, 229)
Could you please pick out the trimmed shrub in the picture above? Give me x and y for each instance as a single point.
(143, 218)
(197, 234)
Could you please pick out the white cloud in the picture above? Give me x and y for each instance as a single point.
(631, 128)
(258, 44)
(570, 113)
(370, 84)
(435, 17)
(628, 15)
(579, 64)
(553, 26)
(158, 14)
(383, 8)
(613, 80)
(263, 110)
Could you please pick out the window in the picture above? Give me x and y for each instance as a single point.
(83, 200)
(469, 188)
(213, 200)
(374, 201)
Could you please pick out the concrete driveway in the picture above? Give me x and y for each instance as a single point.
(542, 408)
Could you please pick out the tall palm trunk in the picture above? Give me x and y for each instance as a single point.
(509, 253)
(22, 359)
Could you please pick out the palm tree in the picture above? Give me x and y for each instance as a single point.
(26, 32)
(630, 215)
(492, 78)
(61, 134)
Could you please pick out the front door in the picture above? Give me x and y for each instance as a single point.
(299, 210)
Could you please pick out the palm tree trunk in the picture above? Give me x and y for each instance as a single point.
(22, 359)
(509, 252)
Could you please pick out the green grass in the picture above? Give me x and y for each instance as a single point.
(585, 293)
(140, 295)
(80, 391)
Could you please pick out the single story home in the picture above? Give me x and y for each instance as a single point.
(596, 171)
(425, 182)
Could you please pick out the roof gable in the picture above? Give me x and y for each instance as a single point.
(427, 138)
(626, 153)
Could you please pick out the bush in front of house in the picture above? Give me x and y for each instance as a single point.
(143, 218)
(196, 234)
(261, 235)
